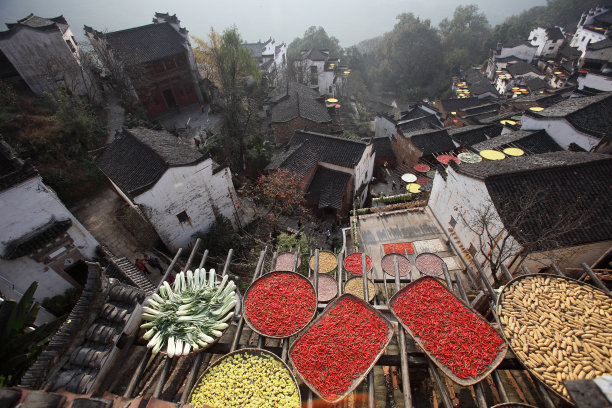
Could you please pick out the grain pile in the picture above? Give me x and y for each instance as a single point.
(558, 328)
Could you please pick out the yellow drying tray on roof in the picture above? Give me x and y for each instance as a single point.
(492, 155)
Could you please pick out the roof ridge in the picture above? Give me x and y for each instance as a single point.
(331, 137)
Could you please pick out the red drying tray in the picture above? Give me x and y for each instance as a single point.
(273, 291)
(399, 248)
(445, 158)
(445, 369)
(342, 356)
(421, 167)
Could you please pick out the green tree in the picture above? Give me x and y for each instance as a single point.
(19, 345)
(314, 38)
(464, 38)
(410, 56)
(237, 74)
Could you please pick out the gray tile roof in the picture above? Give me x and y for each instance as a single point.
(314, 54)
(426, 122)
(534, 142)
(137, 158)
(522, 68)
(431, 141)
(535, 84)
(146, 43)
(326, 188)
(590, 114)
(554, 33)
(255, 49)
(306, 149)
(36, 239)
(299, 105)
(517, 42)
(600, 45)
(565, 184)
(469, 135)
(482, 87)
(456, 104)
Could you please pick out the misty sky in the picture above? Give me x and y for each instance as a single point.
(349, 21)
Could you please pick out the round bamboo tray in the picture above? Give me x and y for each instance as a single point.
(422, 256)
(362, 376)
(324, 254)
(359, 280)
(359, 255)
(267, 276)
(251, 351)
(461, 381)
(499, 308)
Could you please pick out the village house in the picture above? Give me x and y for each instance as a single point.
(178, 189)
(419, 116)
(516, 75)
(554, 207)
(460, 112)
(296, 107)
(40, 239)
(332, 170)
(315, 68)
(593, 26)
(43, 54)
(509, 52)
(155, 61)
(271, 58)
(473, 83)
(585, 122)
(548, 40)
(596, 67)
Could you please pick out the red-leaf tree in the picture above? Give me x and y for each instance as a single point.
(279, 191)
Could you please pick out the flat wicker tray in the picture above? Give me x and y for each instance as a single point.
(250, 351)
(502, 326)
(267, 276)
(357, 379)
(461, 381)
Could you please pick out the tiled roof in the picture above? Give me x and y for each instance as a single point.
(564, 184)
(13, 170)
(451, 105)
(36, 239)
(522, 68)
(569, 52)
(382, 147)
(605, 18)
(488, 107)
(299, 104)
(516, 43)
(306, 149)
(315, 55)
(509, 58)
(281, 92)
(411, 125)
(590, 114)
(327, 187)
(534, 142)
(535, 84)
(482, 87)
(255, 49)
(415, 113)
(431, 141)
(600, 45)
(146, 43)
(137, 158)
(37, 22)
(469, 135)
(554, 33)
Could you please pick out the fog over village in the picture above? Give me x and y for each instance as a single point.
(275, 204)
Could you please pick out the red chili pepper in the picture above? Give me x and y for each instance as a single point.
(280, 304)
(352, 263)
(340, 347)
(448, 330)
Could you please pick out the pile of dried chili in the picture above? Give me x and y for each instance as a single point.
(452, 333)
(352, 264)
(340, 347)
(280, 304)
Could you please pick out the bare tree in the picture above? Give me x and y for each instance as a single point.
(535, 223)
